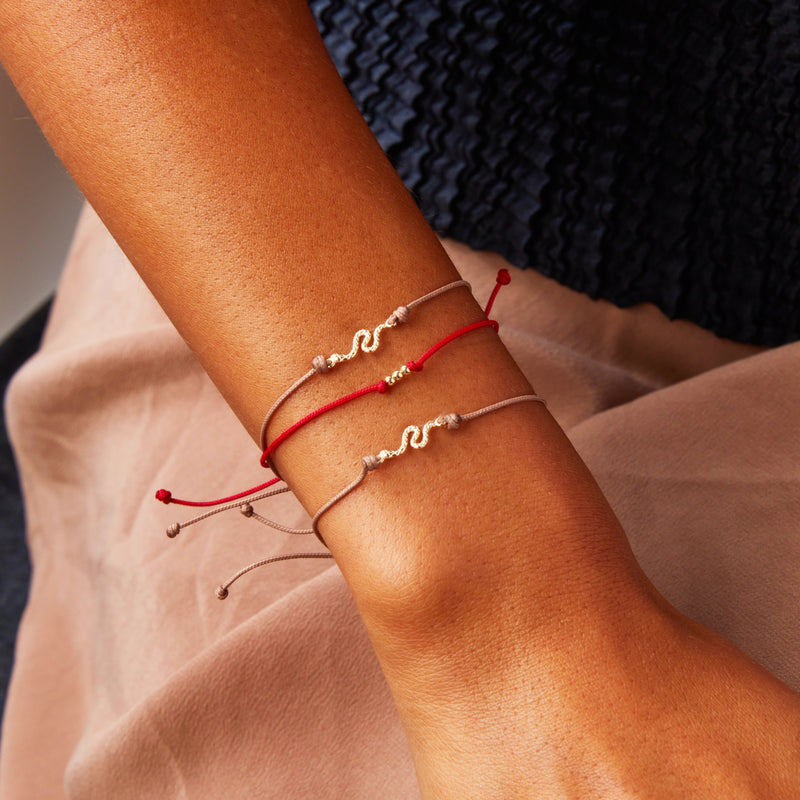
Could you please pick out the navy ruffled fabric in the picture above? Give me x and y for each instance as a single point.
(15, 569)
(635, 151)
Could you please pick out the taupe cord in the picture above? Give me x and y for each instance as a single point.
(176, 527)
(222, 590)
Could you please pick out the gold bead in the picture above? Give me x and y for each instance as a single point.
(397, 375)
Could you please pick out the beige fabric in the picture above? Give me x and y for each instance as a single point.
(134, 681)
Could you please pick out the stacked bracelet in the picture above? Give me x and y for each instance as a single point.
(381, 387)
(413, 436)
(363, 341)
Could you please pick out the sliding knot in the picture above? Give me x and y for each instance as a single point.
(174, 530)
(383, 387)
(370, 463)
(400, 314)
(221, 592)
(246, 509)
(503, 277)
(164, 496)
(414, 367)
(320, 364)
(452, 421)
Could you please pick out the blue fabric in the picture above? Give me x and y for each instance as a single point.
(635, 151)
(14, 563)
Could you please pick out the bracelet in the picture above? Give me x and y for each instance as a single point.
(412, 437)
(416, 438)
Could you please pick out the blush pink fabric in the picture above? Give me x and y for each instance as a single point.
(133, 681)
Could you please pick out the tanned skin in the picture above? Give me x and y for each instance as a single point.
(528, 655)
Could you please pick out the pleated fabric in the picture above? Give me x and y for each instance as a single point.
(635, 151)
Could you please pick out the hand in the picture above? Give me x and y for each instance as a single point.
(623, 698)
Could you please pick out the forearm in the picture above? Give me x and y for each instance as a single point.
(222, 151)
(224, 154)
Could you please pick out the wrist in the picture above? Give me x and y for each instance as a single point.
(496, 690)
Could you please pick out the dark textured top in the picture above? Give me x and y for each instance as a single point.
(635, 151)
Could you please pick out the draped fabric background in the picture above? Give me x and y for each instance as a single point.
(132, 680)
(635, 151)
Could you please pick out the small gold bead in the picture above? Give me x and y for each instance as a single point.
(397, 375)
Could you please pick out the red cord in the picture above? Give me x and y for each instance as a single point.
(380, 387)
(416, 366)
(165, 496)
(503, 279)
